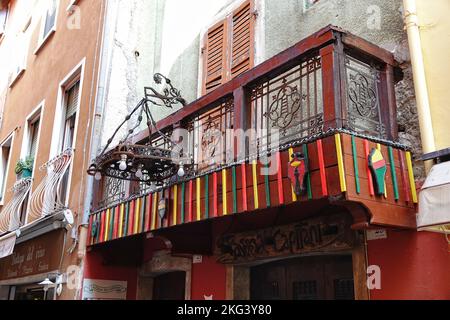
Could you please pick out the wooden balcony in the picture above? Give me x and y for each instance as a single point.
(330, 98)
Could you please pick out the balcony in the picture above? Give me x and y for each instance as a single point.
(329, 99)
(46, 200)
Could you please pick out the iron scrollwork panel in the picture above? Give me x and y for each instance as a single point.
(364, 114)
(289, 106)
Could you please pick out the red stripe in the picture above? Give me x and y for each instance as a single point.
(215, 206)
(116, 219)
(168, 211)
(102, 234)
(404, 178)
(89, 238)
(323, 176)
(280, 179)
(369, 174)
(131, 218)
(148, 213)
(190, 202)
(379, 164)
(244, 187)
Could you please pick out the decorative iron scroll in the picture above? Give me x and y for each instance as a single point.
(10, 217)
(113, 192)
(49, 196)
(364, 105)
(288, 106)
(210, 134)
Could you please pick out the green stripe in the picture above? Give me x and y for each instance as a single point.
(233, 182)
(266, 182)
(308, 175)
(111, 223)
(143, 205)
(206, 196)
(393, 174)
(183, 188)
(355, 165)
(125, 225)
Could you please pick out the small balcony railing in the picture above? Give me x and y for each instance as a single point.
(48, 198)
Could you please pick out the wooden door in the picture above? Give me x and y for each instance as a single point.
(169, 286)
(309, 278)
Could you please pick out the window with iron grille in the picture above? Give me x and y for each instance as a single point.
(287, 107)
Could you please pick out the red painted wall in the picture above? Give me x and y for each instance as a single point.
(414, 265)
(94, 269)
(208, 278)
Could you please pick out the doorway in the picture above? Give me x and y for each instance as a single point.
(169, 286)
(307, 278)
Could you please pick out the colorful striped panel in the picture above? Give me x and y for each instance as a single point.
(369, 174)
(148, 212)
(294, 196)
(183, 199)
(340, 159)
(412, 183)
(255, 183)
(198, 197)
(280, 179)
(224, 192)
(175, 205)
(308, 173)
(131, 217)
(393, 173)
(191, 191)
(355, 166)
(244, 187)
(404, 178)
(323, 176)
(122, 213)
(116, 222)
(155, 210)
(215, 196)
(127, 217)
(385, 188)
(266, 182)
(206, 196)
(233, 185)
(142, 219)
(137, 212)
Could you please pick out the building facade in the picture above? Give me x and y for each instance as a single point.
(49, 61)
(231, 228)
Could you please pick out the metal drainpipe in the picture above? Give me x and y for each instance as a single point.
(420, 84)
(96, 132)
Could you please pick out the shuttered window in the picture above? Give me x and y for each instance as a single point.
(34, 134)
(50, 18)
(71, 107)
(228, 47)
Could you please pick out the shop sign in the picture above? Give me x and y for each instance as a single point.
(36, 256)
(329, 233)
(104, 289)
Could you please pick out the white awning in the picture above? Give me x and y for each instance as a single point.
(434, 200)
(7, 244)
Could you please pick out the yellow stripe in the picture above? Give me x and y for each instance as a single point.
(255, 183)
(198, 199)
(136, 215)
(224, 191)
(294, 196)
(385, 187)
(175, 204)
(121, 220)
(411, 176)
(340, 159)
(155, 205)
(106, 225)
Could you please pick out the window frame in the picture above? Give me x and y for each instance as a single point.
(24, 41)
(5, 169)
(43, 38)
(3, 26)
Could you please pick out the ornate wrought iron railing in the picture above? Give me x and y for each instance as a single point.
(10, 217)
(50, 195)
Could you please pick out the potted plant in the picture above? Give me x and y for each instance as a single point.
(24, 167)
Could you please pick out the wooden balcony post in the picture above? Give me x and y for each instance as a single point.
(241, 119)
(331, 87)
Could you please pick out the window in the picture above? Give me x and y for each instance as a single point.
(3, 18)
(48, 23)
(236, 32)
(34, 136)
(5, 155)
(20, 58)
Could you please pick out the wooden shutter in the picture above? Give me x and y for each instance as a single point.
(72, 100)
(214, 67)
(242, 35)
(34, 129)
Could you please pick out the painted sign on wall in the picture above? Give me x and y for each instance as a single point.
(104, 289)
(328, 233)
(36, 256)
